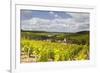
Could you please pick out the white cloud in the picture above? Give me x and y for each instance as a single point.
(56, 25)
(80, 17)
(78, 22)
(51, 12)
(54, 14)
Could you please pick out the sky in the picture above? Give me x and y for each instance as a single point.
(54, 21)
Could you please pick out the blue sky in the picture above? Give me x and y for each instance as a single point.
(54, 21)
(28, 14)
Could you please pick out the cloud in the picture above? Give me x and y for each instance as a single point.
(34, 24)
(51, 12)
(77, 22)
(56, 25)
(54, 14)
(79, 17)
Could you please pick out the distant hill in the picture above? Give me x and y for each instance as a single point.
(80, 32)
(41, 31)
(33, 31)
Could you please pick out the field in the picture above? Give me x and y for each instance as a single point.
(53, 46)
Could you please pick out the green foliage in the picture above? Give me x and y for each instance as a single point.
(46, 46)
(51, 51)
(71, 38)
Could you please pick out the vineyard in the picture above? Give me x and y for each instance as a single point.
(37, 50)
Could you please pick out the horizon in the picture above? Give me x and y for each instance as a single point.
(52, 32)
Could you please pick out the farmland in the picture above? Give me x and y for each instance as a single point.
(43, 46)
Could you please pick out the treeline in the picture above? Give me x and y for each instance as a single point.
(72, 38)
